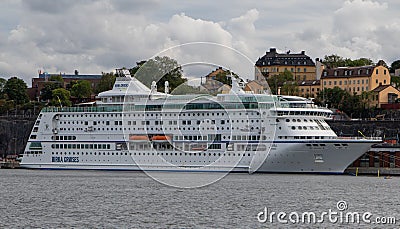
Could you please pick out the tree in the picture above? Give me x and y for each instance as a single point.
(81, 89)
(47, 91)
(185, 89)
(15, 89)
(395, 80)
(395, 65)
(2, 85)
(290, 88)
(57, 78)
(358, 62)
(333, 61)
(106, 82)
(61, 97)
(159, 69)
(341, 99)
(284, 79)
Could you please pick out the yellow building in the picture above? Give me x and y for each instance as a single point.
(257, 87)
(299, 64)
(356, 79)
(384, 94)
(309, 88)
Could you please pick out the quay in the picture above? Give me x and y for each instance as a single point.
(9, 164)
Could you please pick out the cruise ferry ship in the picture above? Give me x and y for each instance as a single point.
(133, 127)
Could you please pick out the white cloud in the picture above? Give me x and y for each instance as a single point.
(100, 35)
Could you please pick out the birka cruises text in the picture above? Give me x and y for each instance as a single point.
(65, 159)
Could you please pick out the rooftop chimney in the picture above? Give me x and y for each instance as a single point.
(272, 50)
(303, 52)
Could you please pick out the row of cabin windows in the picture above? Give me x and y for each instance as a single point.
(145, 154)
(301, 137)
(81, 146)
(158, 114)
(33, 152)
(298, 120)
(61, 137)
(310, 128)
(193, 154)
(156, 122)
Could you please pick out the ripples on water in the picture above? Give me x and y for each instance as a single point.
(81, 199)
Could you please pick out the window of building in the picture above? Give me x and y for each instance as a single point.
(377, 71)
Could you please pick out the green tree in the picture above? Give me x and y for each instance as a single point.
(395, 65)
(353, 105)
(81, 89)
(15, 89)
(159, 69)
(2, 85)
(61, 97)
(57, 78)
(333, 61)
(358, 62)
(333, 97)
(47, 91)
(284, 79)
(290, 88)
(185, 89)
(395, 80)
(106, 82)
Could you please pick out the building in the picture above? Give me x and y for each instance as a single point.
(44, 78)
(356, 80)
(309, 88)
(383, 95)
(299, 64)
(373, 80)
(257, 87)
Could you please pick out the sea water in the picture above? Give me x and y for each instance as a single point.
(82, 199)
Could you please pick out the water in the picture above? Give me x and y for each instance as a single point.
(82, 199)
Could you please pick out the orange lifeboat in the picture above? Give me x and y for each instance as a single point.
(138, 138)
(161, 138)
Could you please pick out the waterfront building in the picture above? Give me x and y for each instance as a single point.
(44, 78)
(371, 80)
(309, 88)
(299, 64)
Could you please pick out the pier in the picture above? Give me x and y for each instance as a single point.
(9, 164)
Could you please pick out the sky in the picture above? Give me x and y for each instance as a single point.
(95, 36)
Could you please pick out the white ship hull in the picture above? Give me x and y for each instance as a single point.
(283, 158)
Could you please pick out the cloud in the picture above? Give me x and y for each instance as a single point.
(101, 35)
(356, 29)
